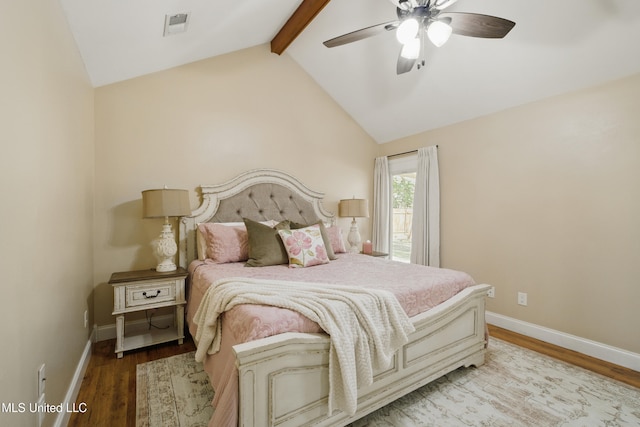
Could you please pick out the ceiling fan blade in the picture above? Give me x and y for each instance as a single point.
(476, 25)
(362, 34)
(404, 65)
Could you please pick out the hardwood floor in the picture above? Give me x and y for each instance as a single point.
(109, 385)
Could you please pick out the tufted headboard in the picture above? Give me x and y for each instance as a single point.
(259, 194)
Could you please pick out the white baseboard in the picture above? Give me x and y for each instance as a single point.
(74, 387)
(595, 349)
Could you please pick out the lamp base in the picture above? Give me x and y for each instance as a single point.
(166, 267)
(354, 238)
(165, 248)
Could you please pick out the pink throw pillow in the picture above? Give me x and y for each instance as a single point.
(225, 243)
(335, 237)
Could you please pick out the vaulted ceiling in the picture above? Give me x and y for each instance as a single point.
(555, 47)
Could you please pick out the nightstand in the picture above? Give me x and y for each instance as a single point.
(141, 290)
(377, 254)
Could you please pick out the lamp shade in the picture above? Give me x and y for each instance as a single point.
(354, 208)
(165, 202)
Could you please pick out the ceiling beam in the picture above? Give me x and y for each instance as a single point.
(302, 17)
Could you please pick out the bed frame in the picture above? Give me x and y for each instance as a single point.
(283, 380)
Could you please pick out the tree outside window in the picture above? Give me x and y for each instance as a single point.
(403, 187)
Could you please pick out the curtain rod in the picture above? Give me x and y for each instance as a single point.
(406, 152)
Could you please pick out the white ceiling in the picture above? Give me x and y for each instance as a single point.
(555, 47)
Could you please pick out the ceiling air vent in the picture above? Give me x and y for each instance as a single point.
(174, 24)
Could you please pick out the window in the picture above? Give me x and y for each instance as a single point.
(402, 188)
(403, 180)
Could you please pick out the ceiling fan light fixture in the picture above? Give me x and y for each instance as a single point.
(439, 32)
(404, 4)
(411, 49)
(443, 4)
(407, 30)
(417, 17)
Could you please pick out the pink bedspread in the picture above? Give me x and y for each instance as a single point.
(417, 289)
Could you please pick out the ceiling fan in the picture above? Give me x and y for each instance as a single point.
(417, 18)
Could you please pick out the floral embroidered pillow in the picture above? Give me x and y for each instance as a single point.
(304, 246)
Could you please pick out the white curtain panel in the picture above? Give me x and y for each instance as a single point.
(425, 227)
(381, 237)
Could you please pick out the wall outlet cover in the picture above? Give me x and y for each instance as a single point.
(522, 298)
(42, 377)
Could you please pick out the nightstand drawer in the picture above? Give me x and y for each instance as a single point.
(150, 293)
(139, 295)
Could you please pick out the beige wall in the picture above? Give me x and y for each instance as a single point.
(46, 169)
(545, 199)
(204, 123)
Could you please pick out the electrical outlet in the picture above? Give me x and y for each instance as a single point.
(522, 298)
(491, 293)
(42, 378)
(86, 318)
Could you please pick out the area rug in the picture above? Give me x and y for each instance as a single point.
(173, 392)
(515, 387)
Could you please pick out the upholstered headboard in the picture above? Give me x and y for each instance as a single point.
(259, 194)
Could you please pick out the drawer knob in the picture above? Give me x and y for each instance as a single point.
(151, 296)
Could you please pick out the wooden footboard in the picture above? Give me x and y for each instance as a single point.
(283, 380)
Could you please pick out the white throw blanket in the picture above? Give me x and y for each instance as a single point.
(366, 326)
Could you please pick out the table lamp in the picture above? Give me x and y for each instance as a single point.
(165, 203)
(354, 208)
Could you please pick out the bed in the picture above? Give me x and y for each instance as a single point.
(266, 375)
